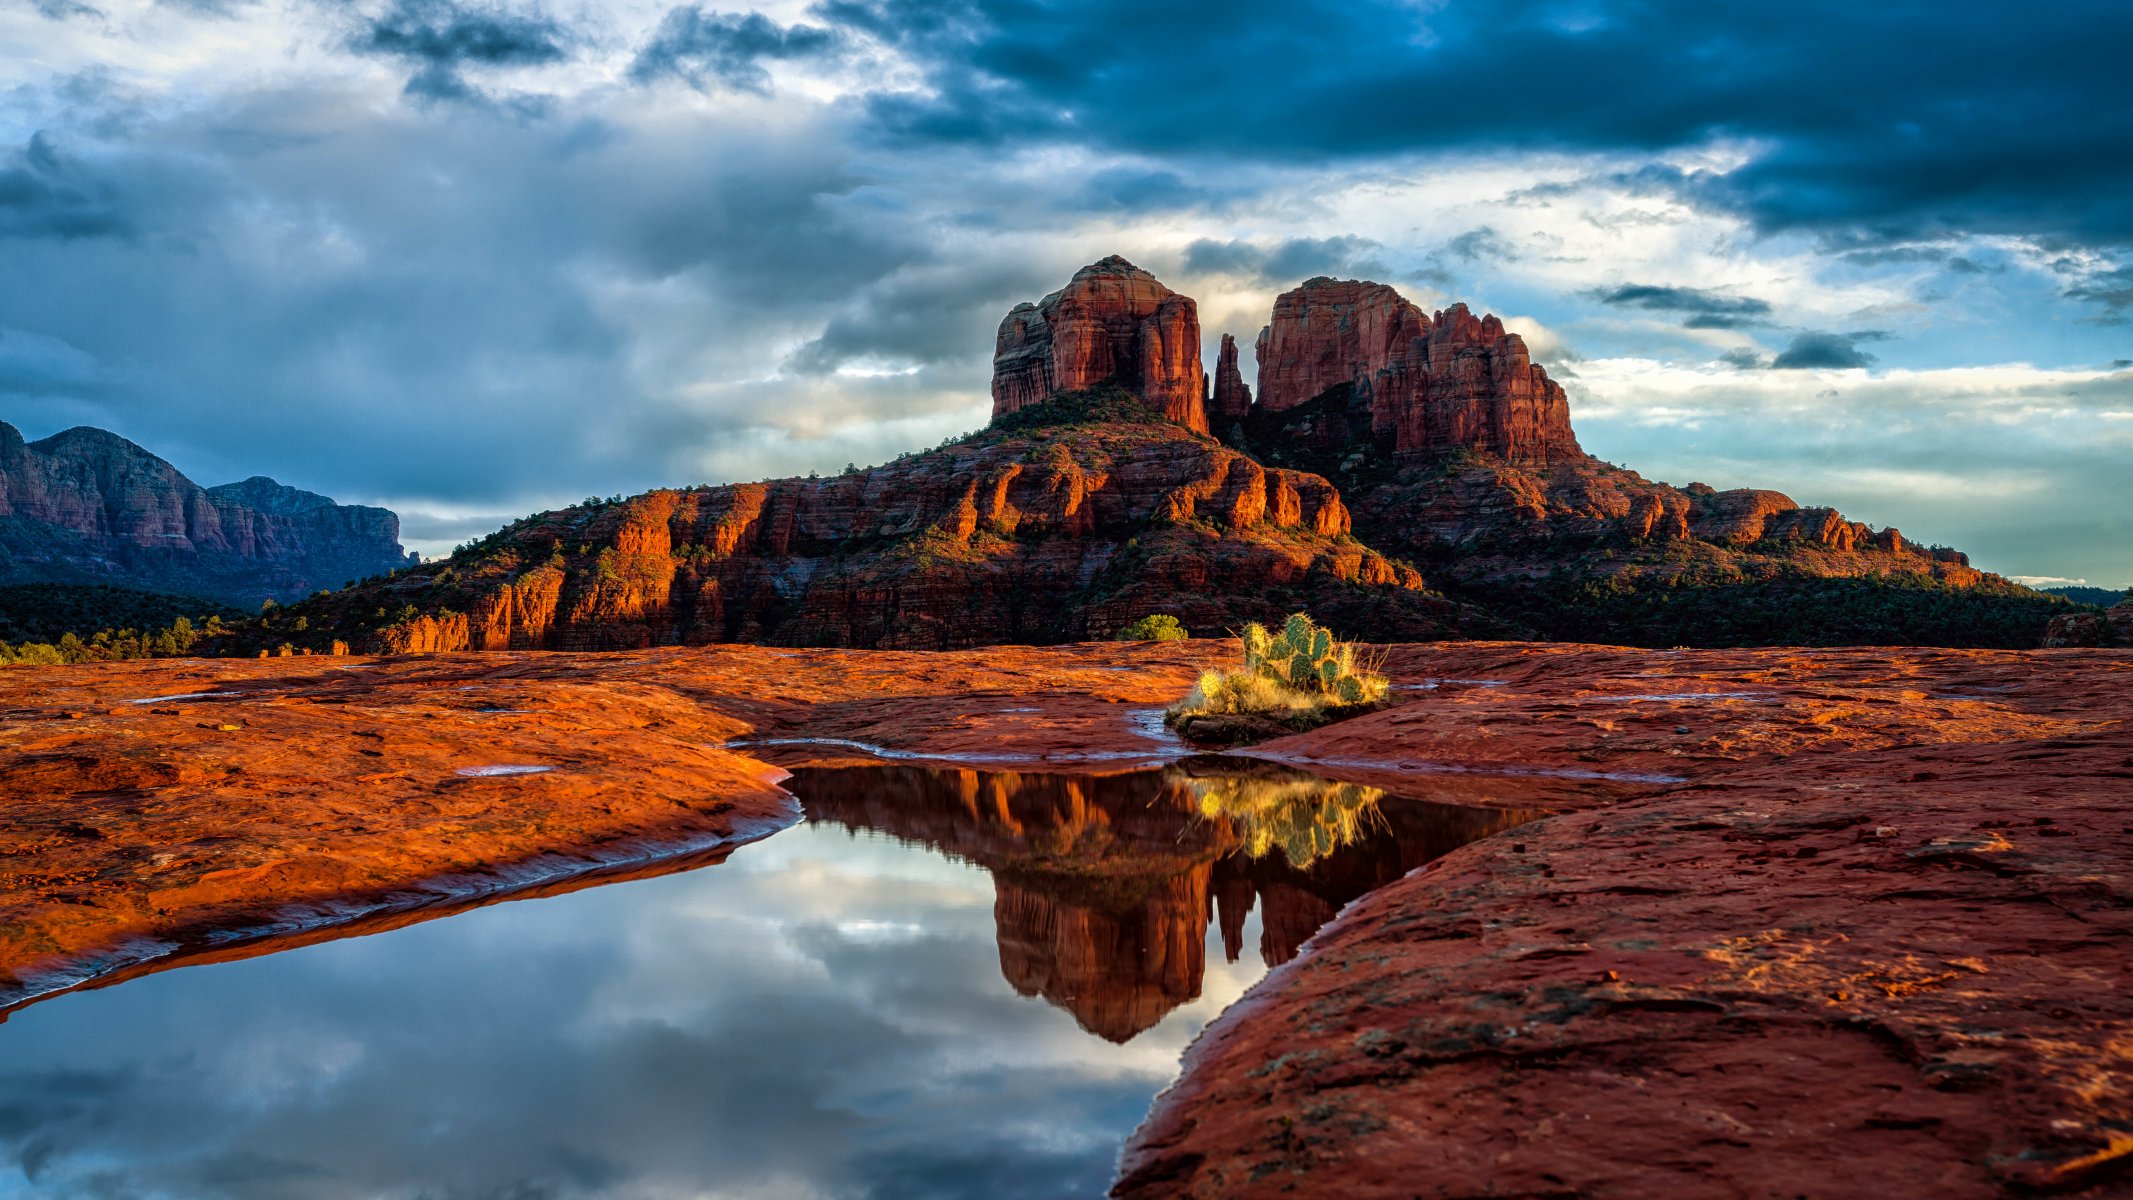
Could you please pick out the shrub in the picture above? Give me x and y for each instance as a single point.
(1155, 627)
(1302, 674)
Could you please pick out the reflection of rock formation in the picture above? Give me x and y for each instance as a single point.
(1119, 970)
(1105, 885)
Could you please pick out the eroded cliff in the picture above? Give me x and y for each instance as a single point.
(87, 506)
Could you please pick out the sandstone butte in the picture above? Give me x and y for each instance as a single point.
(87, 506)
(1112, 321)
(1807, 922)
(1404, 475)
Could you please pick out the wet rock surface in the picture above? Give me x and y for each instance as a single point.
(1855, 952)
(1809, 921)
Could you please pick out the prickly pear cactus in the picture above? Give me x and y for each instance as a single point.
(1349, 690)
(1298, 630)
(1303, 673)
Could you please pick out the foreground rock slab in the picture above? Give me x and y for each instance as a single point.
(1807, 922)
(1887, 958)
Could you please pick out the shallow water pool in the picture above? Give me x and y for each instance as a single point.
(941, 983)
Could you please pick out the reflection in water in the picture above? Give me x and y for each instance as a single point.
(832, 1012)
(1304, 818)
(1106, 885)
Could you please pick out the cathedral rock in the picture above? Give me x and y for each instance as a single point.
(1433, 384)
(1112, 322)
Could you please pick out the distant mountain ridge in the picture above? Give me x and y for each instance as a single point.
(88, 506)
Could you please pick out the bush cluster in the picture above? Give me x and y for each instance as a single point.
(1300, 672)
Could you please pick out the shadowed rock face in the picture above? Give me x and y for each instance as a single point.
(1114, 321)
(1231, 399)
(1432, 384)
(89, 506)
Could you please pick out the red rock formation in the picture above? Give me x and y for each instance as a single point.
(1056, 535)
(1232, 399)
(1432, 385)
(1114, 321)
(89, 506)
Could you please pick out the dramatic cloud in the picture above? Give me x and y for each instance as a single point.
(1704, 309)
(725, 49)
(440, 38)
(1951, 118)
(44, 196)
(1813, 350)
(1287, 263)
(471, 257)
(2113, 289)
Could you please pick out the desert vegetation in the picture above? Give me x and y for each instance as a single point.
(1155, 627)
(1298, 678)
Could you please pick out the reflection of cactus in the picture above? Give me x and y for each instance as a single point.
(1306, 819)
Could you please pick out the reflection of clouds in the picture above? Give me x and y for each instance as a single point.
(821, 1016)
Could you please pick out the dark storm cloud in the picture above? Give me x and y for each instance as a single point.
(2112, 289)
(1482, 243)
(1702, 308)
(1814, 349)
(440, 38)
(1949, 119)
(1289, 262)
(45, 194)
(707, 49)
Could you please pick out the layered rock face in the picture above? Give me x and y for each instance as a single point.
(1431, 384)
(1113, 322)
(89, 506)
(1055, 535)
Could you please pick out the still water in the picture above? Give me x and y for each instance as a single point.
(943, 983)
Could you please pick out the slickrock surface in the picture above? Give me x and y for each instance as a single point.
(1877, 946)
(1112, 321)
(85, 505)
(1811, 922)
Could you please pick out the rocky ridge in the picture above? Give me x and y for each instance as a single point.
(1046, 534)
(1384, 446)
(87, 506)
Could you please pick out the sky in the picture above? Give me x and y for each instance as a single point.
(470, 260)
